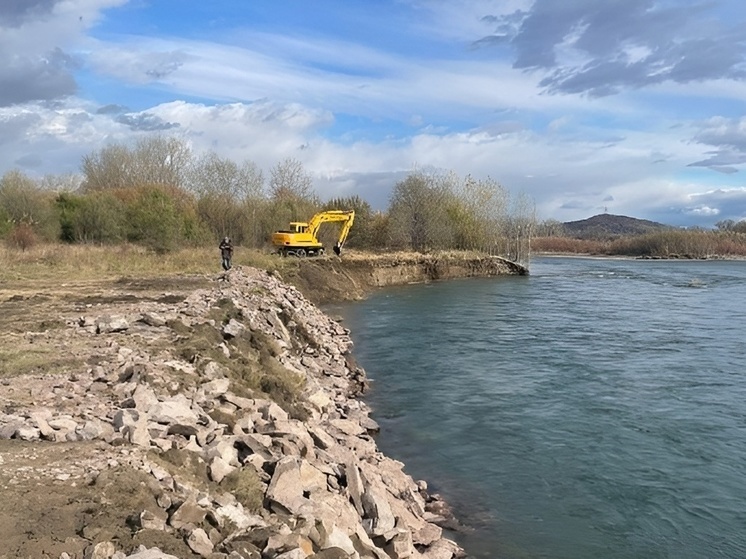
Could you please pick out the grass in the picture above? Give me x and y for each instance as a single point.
(94, 262)
(18, 361)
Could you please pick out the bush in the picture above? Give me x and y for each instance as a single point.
(21, 237)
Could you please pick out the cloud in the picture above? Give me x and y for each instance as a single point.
(136, 64)
(724, 203)
(42, 78)
(601, 48)
(14, 12)
(146, 122)
(37, 39)
(728, 137)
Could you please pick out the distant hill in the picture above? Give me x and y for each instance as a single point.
(604, 226)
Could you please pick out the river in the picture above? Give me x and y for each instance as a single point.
(593, 409)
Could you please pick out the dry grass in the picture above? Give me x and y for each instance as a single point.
(88, 262)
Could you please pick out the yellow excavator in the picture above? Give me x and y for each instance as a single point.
(300, 240)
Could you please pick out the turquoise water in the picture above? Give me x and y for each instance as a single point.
(594, 409)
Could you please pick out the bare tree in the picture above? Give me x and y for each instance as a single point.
(154, 160)
(110, 168)
(288, 180)
(291, 196)
(418, 212)
(481, 207)
(229, 197)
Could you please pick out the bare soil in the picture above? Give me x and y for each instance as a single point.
(53, 499)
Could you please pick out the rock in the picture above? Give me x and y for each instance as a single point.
(216, 387)
(152, 319)
(94, 429)
(330, 536)
(186, 422)
(188, 513)
(293, 482)
(150, 520)
(400, 546)
(111, 323)
(27, 433)
(219, 468)
(332, 553)
(137, 434)
(144, 398)
(153, 553)
(199, 542)
(378, 517)
(348, 426)
(238, 516)
(102, 550)
(174, 410)
(442, 549)
(233, 329)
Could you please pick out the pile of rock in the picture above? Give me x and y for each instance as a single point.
(265, 481)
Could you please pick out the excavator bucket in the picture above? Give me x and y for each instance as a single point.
(337, 249)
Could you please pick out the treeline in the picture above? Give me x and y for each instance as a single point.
(158, 193)
(727, 239)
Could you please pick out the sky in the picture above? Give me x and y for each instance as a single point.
(629, 107)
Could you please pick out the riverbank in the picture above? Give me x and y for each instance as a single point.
(357, 274)
(205, 416)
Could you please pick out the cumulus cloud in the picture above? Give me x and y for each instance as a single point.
(723, 203)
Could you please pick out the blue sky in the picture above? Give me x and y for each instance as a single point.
(634, 107)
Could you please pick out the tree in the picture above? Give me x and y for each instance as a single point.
(521, 226)
(289, 181)
(162, 218)
(228, 196)
(418, 216)
(550, 228)
(93, 217)
(22, 201)
(360, 235)
(291, 197)
(153, 160)
(478, 213)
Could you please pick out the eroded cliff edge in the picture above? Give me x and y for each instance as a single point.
(224, 424)
(357, 274)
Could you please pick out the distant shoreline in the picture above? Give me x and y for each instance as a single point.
(713, 258)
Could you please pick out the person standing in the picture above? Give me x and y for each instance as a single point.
(226, 252)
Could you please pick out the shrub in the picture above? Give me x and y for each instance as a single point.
(21, 236)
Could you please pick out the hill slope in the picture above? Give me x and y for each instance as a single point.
(605, 226)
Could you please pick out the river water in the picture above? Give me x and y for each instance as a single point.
(594, 409)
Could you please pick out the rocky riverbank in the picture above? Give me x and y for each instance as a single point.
(223, 423)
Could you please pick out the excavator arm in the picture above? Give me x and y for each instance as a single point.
(346, 216)
(343, 233)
